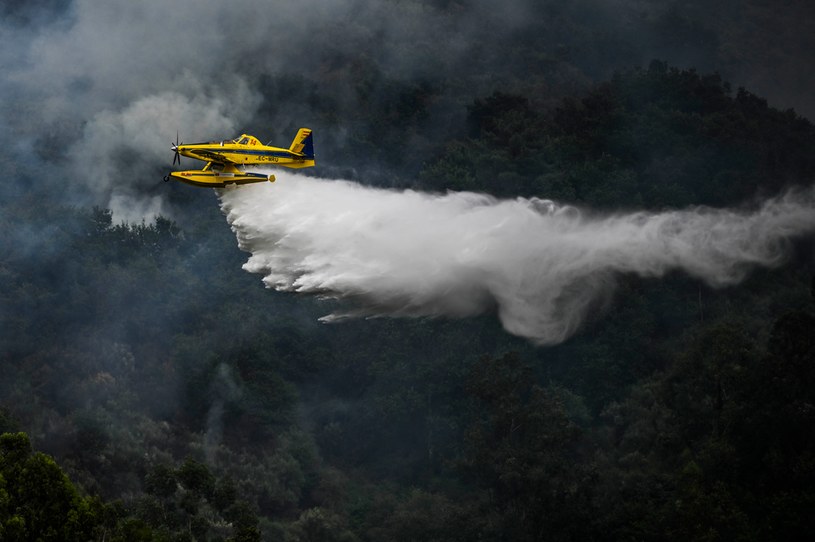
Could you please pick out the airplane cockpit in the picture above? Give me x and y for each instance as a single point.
(240, 140)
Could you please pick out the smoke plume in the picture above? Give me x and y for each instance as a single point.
(99, 90)
(541, 265)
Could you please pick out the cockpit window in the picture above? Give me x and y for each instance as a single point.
(244, 141)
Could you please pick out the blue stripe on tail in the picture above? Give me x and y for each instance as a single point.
(308, 147)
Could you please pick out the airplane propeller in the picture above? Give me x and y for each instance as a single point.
(176, 156)
(174, 147)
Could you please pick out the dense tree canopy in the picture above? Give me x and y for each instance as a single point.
(174, 398)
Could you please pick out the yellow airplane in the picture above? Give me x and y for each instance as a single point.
(226, 159)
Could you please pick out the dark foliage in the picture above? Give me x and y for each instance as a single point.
(199, 405)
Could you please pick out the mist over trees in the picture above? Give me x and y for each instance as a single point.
(152, 390)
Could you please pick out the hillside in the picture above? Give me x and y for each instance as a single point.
(195, 403)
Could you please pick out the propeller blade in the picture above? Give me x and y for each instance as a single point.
(174, 147)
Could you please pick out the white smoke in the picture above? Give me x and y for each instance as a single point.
(103, 88)
(100, 88)
(130, 143)
(543, 266)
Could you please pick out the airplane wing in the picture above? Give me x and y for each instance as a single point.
(210, 156)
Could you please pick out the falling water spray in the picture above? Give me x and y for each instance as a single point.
(542, 266)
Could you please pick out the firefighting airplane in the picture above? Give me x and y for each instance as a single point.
(226, 159)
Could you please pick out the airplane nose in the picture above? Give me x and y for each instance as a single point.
(175, 148)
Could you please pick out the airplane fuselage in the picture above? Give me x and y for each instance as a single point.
(243, 151)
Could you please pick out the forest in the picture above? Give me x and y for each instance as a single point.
(153, 390)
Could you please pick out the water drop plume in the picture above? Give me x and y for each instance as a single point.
(542, 266)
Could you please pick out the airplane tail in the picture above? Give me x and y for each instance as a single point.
(303, 143)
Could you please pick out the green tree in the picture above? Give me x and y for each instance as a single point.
(775, 440)
(525, 450)
(197, 479)
(41, 502)
(318, 525)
